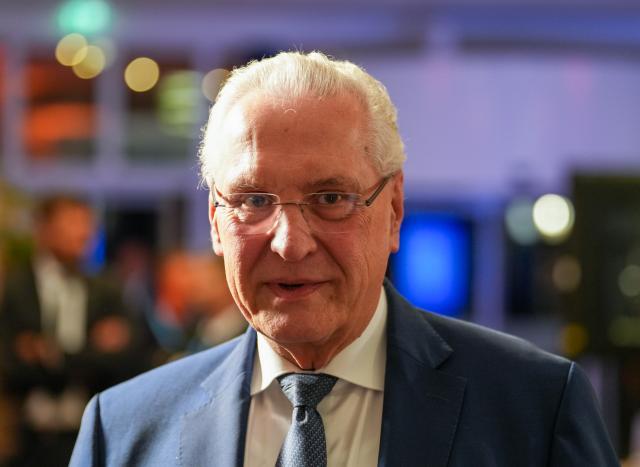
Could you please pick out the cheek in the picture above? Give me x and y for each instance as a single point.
(352, 253)
(241, 257)
(235, 255)
(370, 233)
(374, 245)
(238, 280)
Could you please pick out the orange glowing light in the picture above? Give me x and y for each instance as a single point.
(48, 125)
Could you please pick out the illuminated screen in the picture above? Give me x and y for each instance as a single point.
(433, 267)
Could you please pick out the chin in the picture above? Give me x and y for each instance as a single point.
(284, 332)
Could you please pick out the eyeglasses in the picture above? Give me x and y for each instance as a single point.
(325, 212)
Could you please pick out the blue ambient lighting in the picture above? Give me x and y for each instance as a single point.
(433, 267)
(97, 255)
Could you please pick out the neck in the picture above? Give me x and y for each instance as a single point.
(306, 357)
(314, 356)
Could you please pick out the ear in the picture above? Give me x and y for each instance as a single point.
(397, 210)
(215, 234)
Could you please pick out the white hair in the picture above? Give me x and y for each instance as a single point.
(296, 74)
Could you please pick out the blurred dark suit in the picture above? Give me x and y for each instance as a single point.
(50, 383)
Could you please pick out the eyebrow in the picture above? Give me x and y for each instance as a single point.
(333, 182)
(247, 186)
(244, 184)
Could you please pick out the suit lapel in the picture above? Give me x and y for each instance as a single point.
(214, 434)
(421, 402)
(31, 311)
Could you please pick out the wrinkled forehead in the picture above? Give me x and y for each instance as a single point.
(262, 119)
(312, 142)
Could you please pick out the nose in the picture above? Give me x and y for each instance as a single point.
(292, 237)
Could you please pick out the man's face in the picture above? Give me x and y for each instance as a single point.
(68, 232)
(292, 148)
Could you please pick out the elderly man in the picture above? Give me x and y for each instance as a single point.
(304, 164)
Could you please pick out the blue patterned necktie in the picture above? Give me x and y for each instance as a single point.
(305, 444)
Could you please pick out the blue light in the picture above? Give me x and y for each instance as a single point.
(433, 267)
(97, 255)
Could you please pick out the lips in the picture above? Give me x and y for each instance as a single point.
(293, 289)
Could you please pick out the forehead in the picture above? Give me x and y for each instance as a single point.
(64, 209)
(305, 142)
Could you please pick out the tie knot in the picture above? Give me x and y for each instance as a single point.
(306, 389)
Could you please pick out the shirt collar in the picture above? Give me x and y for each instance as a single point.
(45, 263)
(353, 364)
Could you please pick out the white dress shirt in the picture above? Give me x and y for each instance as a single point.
(63, 302)
(351, 412)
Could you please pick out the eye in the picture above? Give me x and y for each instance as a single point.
(254, 201)
(328, 199)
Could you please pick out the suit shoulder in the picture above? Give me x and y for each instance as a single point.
(470, 349)
(141, 420)
(169, 383)
(489, 347)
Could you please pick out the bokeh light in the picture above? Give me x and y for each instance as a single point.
(574, 339)
(142, 74)
(629, 281)
(624, 331)
(519, 221)
(553, 216)
(71, 49)
(92, 64)
(85, 16)
(566, 273)
(213, 81)
(178, 99)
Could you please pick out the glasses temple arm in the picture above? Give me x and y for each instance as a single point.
(375, 194)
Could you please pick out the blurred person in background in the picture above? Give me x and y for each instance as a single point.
(134, 265)
(194, 309)
(216, 316)
(303, 160)
(65, 335)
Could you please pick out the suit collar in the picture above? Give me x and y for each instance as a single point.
(422, 402)
(238, 365)
(215, 431)
(411, 333)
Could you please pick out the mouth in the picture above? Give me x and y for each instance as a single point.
(293, 290)
(288, 286)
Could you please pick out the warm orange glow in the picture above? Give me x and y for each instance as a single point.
(48, 79)
(173, 285)
(49, 125)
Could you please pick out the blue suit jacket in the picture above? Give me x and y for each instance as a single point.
(455, 394)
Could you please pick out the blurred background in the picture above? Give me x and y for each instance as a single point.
(522, 127)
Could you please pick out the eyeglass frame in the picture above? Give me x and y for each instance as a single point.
(366, 203)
